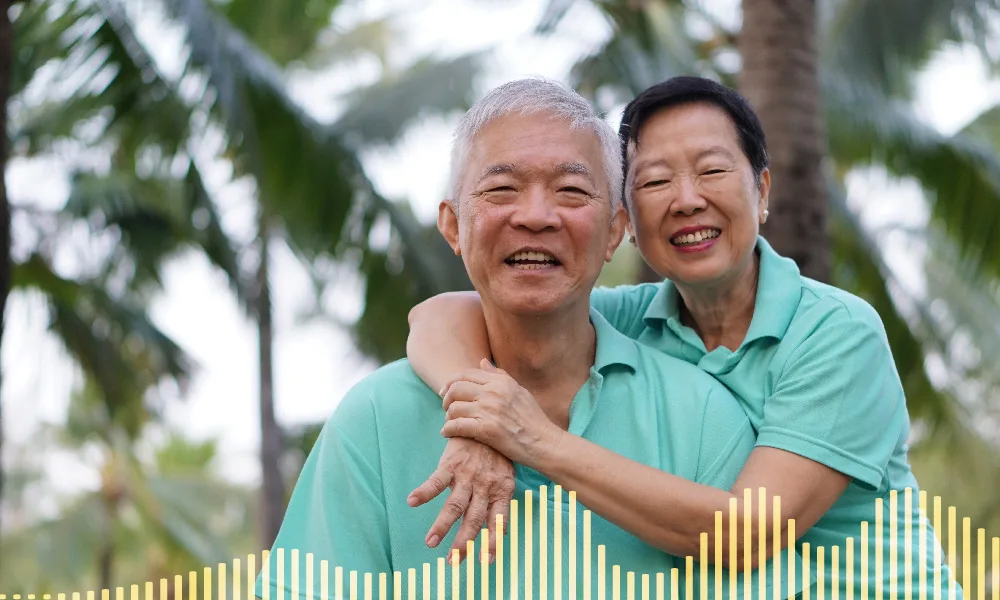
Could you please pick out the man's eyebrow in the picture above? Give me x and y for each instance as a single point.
(499, 169)
(575, 168)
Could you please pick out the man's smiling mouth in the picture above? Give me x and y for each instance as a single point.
(532, 260)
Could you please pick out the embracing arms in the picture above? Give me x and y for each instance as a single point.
(808, 474)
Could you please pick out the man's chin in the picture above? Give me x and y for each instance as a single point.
(531, 305)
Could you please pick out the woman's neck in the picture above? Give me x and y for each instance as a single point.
(721, 312)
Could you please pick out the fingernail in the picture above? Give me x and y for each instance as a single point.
(433, 541)
(490, 558)
(411, 500)
(443, 390)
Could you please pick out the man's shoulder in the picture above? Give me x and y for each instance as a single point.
(682, 385)
(393, 386)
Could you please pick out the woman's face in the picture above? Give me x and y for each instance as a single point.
(695, 207)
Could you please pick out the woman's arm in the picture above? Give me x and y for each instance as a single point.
(447, 335)
(664, 510)
(670, 513)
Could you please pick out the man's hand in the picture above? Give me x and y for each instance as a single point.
(482, 484)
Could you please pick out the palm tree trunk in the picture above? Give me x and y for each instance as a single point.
(6, 53)
(106, 552)
(781, 81)
(273, 488)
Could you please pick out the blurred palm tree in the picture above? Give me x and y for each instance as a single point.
(834, 83)
(146, 520)
(309, 186)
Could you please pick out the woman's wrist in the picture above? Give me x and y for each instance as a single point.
(548, 453)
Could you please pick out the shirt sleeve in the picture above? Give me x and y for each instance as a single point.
(726, 443)
(624, 306)
(337, 510)
(838, 399)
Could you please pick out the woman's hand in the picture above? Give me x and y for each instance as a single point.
(482, 484)
(488, 406)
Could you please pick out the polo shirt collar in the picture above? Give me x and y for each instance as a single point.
(778, 289)
(612, 346)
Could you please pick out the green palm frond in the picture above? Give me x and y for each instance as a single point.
(884, 43)
(304, 174)
(115, 343)
(960, 175)
(649, 44)
(859, 268)
(968, 315)
(374, 37)
(155, 218)
(985, 128)
(381, 113)
(41, 39)
(286, 31)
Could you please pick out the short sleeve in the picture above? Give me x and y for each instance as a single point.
(838, 399)
(624, 306)
(337, 510)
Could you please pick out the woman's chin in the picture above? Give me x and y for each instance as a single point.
(697, 275)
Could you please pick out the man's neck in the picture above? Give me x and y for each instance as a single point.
(721, 313)
(549, 355)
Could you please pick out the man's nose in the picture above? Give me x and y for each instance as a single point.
(535, 210)
(688, 200)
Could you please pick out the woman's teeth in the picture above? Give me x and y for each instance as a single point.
(696, 237)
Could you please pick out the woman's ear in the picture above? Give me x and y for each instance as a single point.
(764, 190)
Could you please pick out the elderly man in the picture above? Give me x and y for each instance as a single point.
(534, 212)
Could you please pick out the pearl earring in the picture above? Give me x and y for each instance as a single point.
(765, 215)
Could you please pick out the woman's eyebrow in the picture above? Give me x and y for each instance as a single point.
(716, 150)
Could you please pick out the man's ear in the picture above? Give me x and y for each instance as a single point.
(448, 225)
(619, 222)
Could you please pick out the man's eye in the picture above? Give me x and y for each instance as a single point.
(574, 190)
(503, 188)
(714, 171)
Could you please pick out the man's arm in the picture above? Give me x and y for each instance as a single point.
(337, 510)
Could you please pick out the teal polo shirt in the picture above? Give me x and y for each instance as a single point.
(349, 506)
(816, 377)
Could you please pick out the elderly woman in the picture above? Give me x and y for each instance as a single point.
(809, 363)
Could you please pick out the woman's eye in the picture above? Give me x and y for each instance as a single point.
(714, 171)
(654, 183)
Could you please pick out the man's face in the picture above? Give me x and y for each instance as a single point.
(534, 222)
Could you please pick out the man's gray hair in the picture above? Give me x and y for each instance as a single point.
(536, 95)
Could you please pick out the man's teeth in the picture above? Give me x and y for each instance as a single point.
(698, 236)
(532, 260)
